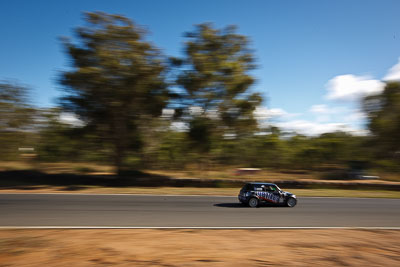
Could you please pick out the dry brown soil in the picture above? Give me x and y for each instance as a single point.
(193, 247)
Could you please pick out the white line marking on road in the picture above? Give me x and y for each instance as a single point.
(201, 227)
(124, 194)
(166, 195)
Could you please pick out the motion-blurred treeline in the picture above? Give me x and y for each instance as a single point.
(126, 104)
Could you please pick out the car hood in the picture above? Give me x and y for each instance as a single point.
(288, 194)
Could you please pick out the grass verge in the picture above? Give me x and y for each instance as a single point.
(199, 191)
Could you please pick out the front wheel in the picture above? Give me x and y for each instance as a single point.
(291, 202)
(253, 202)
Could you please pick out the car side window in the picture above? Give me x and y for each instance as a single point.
(267, 188)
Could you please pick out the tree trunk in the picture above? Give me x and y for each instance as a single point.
(118, 159)
(120, 135)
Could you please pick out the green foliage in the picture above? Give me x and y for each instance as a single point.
(383, 112)
(16, 120)
(200, 134)
(15, 111)
(173, 151)
(60, 141)
(116, 81)
(216, 81)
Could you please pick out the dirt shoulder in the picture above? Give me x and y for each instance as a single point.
(192, 247)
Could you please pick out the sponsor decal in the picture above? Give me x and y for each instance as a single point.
(267, 196)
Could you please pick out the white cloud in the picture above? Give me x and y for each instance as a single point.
(212, 114)
(319, 109)
(311, 128)
(394, 73)
(195, 110)
(265, 116)
(323, 118)
(324, 109)
(315, 128)
(352, 87)
(355, 116)
(71, 119)
(263, 113)
(347, 87)
(168, 113)
(324, 112)
(179, 126)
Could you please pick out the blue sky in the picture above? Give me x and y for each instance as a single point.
(316, 58)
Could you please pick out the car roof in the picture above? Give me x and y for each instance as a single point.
(261, 183)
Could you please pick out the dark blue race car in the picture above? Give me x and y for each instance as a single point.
(254, 194)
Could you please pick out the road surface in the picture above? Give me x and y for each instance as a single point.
(191, 211)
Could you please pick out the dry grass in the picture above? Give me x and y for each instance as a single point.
(230, 173)
(395, 177)
(57, 168)
(265, 175)
(95, 169)
(199, 248)
(199, 191)
(220, 173)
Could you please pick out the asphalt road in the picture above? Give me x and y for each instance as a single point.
(191, 211)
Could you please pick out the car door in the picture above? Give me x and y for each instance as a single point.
(278, 197)
(271, 194)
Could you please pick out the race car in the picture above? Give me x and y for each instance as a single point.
(255, 194)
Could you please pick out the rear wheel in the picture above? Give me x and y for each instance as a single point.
(291, 202)
(253, 202)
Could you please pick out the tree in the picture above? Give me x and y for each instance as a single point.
(15, 110)
(16, 119)
(383, 112)
(116, 81)
(216, 82)
(64, 140)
